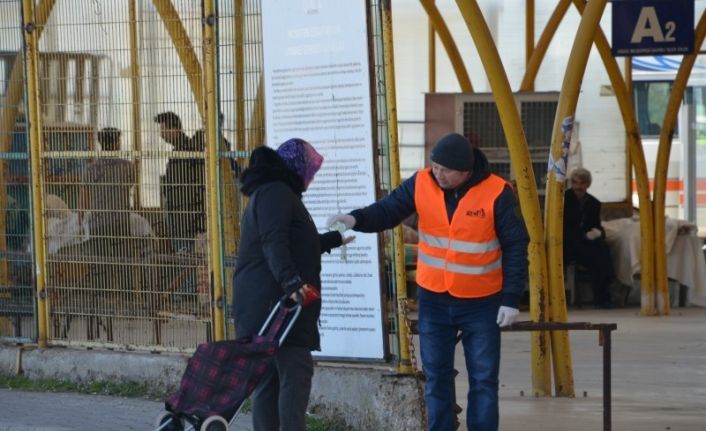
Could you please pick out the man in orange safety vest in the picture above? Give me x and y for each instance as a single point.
(471, 271)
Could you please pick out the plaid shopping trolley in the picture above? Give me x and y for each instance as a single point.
(221, 375)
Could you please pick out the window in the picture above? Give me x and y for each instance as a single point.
(651, 99)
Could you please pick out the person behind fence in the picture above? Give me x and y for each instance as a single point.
(471, 270)
(183, 185)
(104, 206)
(584, 236)
(199, 139)
(107, 182)
(280, 254)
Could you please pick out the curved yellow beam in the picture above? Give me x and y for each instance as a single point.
(184, 49)
(554, 206)
(637, 158)
(540, 50)
(662, 166)
(527, 189)
(447, 40)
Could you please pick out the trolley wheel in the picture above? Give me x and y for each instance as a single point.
(214, 423)
(174, 423)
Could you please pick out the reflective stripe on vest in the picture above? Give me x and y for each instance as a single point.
(453, 267)
(462, 257)
(458, 245)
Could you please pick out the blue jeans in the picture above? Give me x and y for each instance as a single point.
(441, 317)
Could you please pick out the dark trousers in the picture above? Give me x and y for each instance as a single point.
(280, 401)
(441, 317)
(595, 255)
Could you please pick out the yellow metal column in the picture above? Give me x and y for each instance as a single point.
(11, 101)
(564, 384)
(662, 167)
(628, 161)
(529, 32)
(239, 84)
(213, 138)
(637, 157)
(136, 102)
(256, 134)
(239, 78)
(431, 41)
(405, 365)
(522, 168)
(35, 140)
(437, 21)
(540, 49)
(231, 208)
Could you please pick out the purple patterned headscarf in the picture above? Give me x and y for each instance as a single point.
(302, 158)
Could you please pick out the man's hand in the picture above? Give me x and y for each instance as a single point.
(507, 315)
(593, 234)
(347, 220)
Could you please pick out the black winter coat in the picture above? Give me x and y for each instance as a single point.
(579, 218)
(509, 225)
(280, 249)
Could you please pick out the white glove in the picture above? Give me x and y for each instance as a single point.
(593, 234)
(347, 220)
(507, 315)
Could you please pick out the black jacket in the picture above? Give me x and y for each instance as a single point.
(509, 225)
(579, 218)
(183, 188)
(280, 249)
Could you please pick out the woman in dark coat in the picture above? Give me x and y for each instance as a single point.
(280, 253)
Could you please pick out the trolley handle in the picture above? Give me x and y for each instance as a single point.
(279, 313)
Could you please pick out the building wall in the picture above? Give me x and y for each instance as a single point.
(600, 132)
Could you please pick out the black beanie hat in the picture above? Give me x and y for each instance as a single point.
(453, 151)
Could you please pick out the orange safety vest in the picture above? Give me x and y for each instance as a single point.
(462, 257)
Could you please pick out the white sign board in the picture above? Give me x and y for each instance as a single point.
(317, 88)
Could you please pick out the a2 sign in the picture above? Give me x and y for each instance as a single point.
(651, 27)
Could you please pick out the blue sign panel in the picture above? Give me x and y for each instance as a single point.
(649, 27)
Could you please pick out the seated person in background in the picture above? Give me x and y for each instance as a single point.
(105, 197)
(61, 226)
(106, 192)
(584, 237)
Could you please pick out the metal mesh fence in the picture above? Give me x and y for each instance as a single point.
(123, 175)
(123, 113)
(122, 109)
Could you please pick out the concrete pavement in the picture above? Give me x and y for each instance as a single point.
(658, 376)
(40, 411)
(658, 366)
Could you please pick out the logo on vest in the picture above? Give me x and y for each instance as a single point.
(477, 213)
